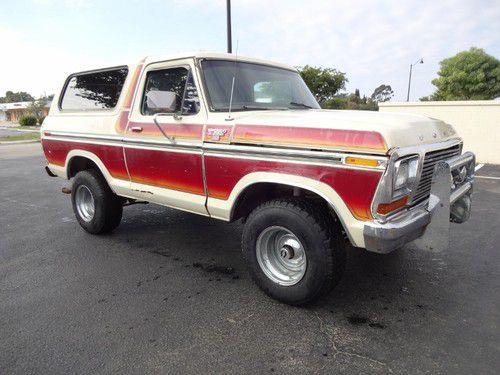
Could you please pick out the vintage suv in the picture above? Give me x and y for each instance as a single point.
(239, 138)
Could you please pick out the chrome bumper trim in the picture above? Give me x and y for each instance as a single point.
(460, 192)
(383, 238)
(407, 226)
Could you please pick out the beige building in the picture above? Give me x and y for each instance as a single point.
(12, 112)
(476, 121)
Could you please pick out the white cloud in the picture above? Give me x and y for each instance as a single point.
(35, 68)
(372, 41)
(75, 4)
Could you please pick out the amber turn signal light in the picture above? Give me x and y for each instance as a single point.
(361, 161)
(385, 208)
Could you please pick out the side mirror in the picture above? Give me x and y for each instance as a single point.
(161, 101)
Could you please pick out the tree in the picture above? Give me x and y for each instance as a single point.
(36, 108)
(351, 101)
(357, 102)
(324, 83)
(12, 97)
(383, 93)
(469, 75)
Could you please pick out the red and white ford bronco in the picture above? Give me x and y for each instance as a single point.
(240, 138)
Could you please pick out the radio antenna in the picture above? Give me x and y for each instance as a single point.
(229, 118)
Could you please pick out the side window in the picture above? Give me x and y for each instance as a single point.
(169, 91)
(94, 91)
(191, 104)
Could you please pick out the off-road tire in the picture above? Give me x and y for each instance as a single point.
(322, 240)
(108, 206)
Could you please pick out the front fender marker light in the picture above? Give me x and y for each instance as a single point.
(385, 208)
(362, 161)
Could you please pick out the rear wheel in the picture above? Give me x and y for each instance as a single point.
(97, 209)
(295, 251)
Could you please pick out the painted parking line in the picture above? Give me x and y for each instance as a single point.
(488, 177)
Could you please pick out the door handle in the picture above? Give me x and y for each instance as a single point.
(136, 129)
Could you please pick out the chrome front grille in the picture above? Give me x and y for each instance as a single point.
(431, 158)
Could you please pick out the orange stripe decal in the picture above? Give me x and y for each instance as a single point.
(177, 130)
(311, 137)
(121, 123)
(132, 87)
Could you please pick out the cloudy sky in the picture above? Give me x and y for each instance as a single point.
(373, 42)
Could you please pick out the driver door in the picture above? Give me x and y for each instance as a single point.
(163, 139)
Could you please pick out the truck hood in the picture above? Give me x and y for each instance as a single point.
(395, 129)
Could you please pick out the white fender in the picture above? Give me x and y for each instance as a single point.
(119, 187)
(223, 209)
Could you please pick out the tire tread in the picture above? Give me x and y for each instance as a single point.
(329, 231)
(113, 207)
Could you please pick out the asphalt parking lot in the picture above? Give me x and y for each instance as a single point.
(167, 292)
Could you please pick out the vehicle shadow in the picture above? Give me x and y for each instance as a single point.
(163, 231)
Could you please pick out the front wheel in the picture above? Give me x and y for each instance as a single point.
(97, 209)
(295, 251)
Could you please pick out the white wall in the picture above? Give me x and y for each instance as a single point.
(477, 122)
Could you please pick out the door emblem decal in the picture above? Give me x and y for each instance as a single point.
(216, 134)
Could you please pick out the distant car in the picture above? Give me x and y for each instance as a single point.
(239, 138)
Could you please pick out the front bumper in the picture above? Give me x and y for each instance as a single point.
(452, 185)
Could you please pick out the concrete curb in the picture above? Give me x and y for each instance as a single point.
(19, 142)
(20, 130)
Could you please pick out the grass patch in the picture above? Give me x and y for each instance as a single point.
(20, 137)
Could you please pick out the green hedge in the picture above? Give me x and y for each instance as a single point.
(28, 121)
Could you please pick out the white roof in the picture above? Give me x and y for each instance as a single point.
(215, 55)
(17, 105)
(179, 56)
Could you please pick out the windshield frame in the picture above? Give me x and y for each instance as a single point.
(206, 92)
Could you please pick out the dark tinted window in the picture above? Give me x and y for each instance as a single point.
(164, 92)
(90, 91)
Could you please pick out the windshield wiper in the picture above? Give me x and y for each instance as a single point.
(257, 107)
(301, 105)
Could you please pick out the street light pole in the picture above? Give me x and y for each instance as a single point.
(420, 61)
(409, 84)
(229, 37)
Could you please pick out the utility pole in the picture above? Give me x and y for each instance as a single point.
(420, 61)
(409, 84)
(229, 37)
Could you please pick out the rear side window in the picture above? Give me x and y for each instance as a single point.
(94, 91)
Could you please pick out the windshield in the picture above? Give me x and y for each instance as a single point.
(256, 87)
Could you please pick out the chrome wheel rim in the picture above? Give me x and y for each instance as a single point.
(281, 256)
(85, 204)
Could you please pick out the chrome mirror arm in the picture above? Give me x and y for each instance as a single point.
(155, 120)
